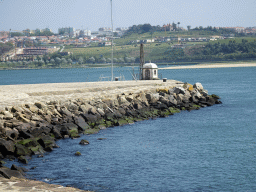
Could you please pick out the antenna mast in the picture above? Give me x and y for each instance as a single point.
(112, 73)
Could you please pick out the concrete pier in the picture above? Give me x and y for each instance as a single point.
(12, 95)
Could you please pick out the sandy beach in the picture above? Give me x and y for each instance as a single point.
(214, 65)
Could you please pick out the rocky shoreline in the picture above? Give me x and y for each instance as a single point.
(32, 129)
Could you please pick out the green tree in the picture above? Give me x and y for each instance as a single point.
(64, 61)
(25, 63)
(52, 61)
(132, 60)
(102, 60)
(69, 61)
(8, 63)
(57, 61)
(41, 63)
(115, 60)
(80, 60)
(127, 60)
(109, 60)
(92, 60)
(121, 60)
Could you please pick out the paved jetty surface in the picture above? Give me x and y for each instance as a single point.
(214, 65)
(12, 95)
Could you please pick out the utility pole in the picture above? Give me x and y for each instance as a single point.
(141, 60)
(178, 32)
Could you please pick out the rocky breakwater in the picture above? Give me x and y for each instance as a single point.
(32, 129)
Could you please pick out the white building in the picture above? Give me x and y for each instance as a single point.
(149, 71)
(67, 31)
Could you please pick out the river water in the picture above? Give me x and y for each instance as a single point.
(211, 149)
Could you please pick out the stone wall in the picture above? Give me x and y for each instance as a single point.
(32, 129)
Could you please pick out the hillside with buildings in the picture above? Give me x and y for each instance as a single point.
(164, 44)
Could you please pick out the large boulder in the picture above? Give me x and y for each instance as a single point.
(85, 107)
(110, 102)
(84, 142)
(6, 147)
(63, 110)
(16, 109)
(63, 129)
(173, 100)
(8, 173)
(56, 132)
(47, 142)
(11, 133)
(54, 111)
(27, 111)
(90, 117)
(93, 111)
(176, 90)
(117, 114)
(137, 105)
(21, 150)
(195, 93)
(33, 108)
(129, 98)
(36, 131)
(40, 105)
(122, 99)
(36, 117)
(152, 97)
(101, 111)
(20, 169)
(159, 106)
(180, 98)
(164, 100)
(72, 107)
(198, 86)
(80, 122)
(142, 97)
(7, 115)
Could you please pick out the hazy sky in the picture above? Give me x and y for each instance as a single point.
(92, 14)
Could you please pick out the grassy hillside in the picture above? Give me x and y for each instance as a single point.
(157, 51)
(237, 39)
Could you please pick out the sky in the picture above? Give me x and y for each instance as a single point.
(93, 14)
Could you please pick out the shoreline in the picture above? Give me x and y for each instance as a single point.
(214, 65)
(180, 66)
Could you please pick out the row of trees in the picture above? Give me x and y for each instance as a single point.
(62, 62)
(216, 51)
(85, 59)
(37, 63)
(142, 29)
(139, 29)
(226, 48)
(5, 47)
(108, 60)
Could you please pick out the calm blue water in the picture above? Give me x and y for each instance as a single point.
(211, 149)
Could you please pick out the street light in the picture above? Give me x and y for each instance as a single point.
(178, 32)
(178, 25)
